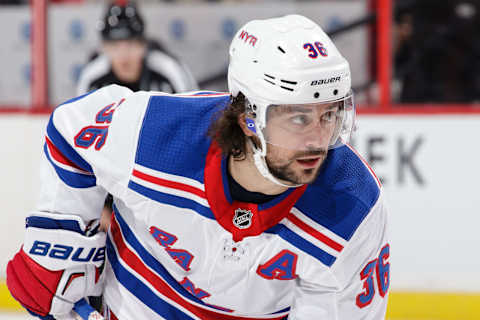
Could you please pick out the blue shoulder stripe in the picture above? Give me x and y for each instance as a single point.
(342, 195)
(62, 145)
(302, 244)
(183, 147)
(72, 179)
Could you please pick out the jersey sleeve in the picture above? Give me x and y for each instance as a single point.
(356, 285)
(89, 145)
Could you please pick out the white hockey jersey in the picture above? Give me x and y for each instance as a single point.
(179, 247)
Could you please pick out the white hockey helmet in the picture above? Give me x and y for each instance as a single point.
(288, 61)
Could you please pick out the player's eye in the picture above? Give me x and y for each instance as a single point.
(329, 116)
(300, 120)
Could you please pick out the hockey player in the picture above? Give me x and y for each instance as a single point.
(129, 59)
(247, 205)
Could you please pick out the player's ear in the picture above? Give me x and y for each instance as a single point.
(243, 124)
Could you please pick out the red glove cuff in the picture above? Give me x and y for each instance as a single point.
(31, 284)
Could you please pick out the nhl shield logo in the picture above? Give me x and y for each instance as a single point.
(242, 218)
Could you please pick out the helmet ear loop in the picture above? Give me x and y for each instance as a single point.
(251, 119)
(258, 145)
(263, 144)
(260, 152)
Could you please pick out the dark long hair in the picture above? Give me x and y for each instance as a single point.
(226, 131)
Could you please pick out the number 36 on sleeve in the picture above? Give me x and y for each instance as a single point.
(379, 270)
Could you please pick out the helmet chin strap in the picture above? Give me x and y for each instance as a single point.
(260, 163)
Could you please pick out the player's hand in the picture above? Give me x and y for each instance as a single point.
(45, 292)
(58, 265)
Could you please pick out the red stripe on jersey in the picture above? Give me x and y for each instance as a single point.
(315, 233)
(160, 285)
(113, 316)
(58, 156)
(168, 183)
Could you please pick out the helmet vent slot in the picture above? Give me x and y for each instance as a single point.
(281, 49)
(271, 79)
(288, 81)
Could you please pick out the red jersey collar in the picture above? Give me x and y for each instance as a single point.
(242, 219)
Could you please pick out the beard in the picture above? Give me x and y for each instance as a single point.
(285, 169)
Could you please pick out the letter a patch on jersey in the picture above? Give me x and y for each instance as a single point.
(281, 267)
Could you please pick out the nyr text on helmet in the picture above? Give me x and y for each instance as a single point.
(248, 38)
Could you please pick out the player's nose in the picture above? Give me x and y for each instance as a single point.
(316, 138)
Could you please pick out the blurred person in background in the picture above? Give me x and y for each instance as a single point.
(436, 54)
(129, 59)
